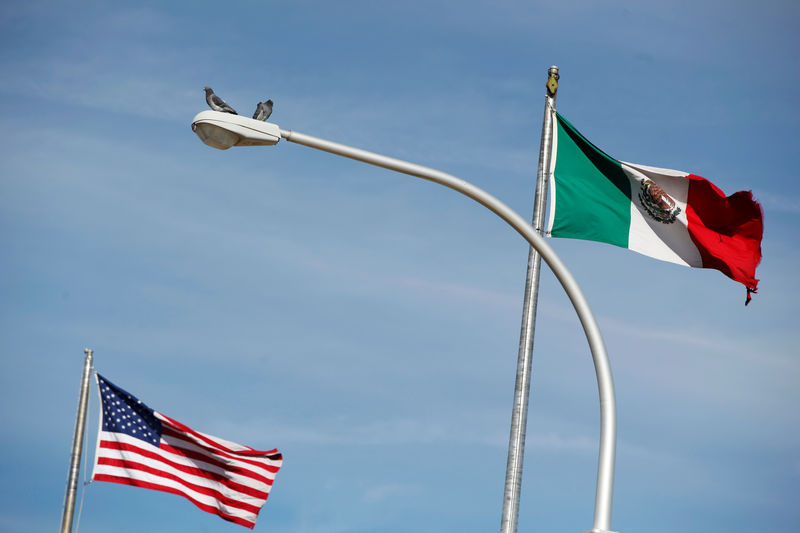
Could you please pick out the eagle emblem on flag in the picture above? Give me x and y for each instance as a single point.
(657, 203)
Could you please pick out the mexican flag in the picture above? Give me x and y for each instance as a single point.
(666, 214)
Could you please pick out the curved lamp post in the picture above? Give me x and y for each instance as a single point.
(223, 130)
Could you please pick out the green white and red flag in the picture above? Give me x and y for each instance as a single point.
(666, 214)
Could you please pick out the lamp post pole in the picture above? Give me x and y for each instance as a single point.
(221, 130)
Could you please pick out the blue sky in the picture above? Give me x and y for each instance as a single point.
(365, 323)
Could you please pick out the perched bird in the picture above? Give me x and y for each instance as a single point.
(216, 103)
(263, 110)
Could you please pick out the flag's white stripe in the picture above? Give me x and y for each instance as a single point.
(199, 496)
(227, 461)
(99, 425)
(667, 242)
(551, 175)
(656, 171)
(189, 443)
(216, 447)
(195, 480)
(180, 459)
(232, 461)
(126, 439)
(222, 443)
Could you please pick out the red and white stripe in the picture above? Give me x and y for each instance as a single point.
(218, 476)
(712, 230)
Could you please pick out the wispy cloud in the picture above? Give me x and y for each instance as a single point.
(379, 493)
(556, 442)
(782, 203)
(395, 431)
(93, 85)
(473, 429)
(462, 293)
(716, 343)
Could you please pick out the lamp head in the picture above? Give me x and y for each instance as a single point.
(223, 130)
(215, 136)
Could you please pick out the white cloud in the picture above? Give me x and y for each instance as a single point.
(782, 203)
(556, 442)
(383, 492)
(465, 430)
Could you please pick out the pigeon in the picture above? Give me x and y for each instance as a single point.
(216, 103)
(263, 110)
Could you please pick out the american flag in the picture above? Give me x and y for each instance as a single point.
(144, 448)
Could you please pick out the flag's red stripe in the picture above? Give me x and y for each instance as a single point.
(209, 458)
(154, 486)
(217, 495)
(211, 442)
(170, 437)
(197, 471)
(220, 450)
(726, 231)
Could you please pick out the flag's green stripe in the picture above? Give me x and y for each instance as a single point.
(592, 191)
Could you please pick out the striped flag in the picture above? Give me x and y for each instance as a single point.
(144, 448)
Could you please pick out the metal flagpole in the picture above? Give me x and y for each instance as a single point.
(519, 415)
(77, 445)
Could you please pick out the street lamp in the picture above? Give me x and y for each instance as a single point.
(223, 130)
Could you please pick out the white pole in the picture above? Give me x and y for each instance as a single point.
(77, 445)
(605, 381)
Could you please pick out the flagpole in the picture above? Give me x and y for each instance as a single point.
(77, 445)
(519, 414)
